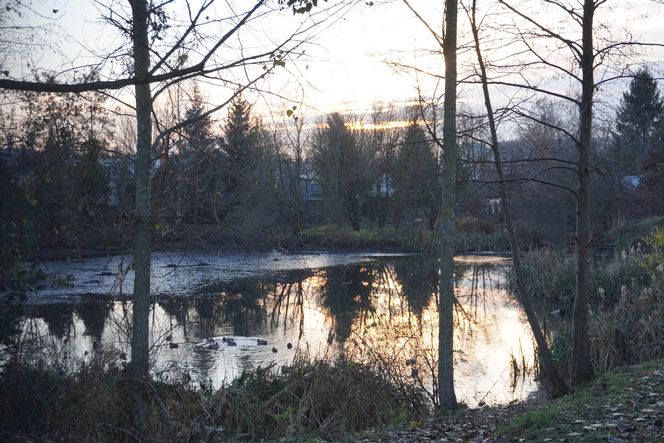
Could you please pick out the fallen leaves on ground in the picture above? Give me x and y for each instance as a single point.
(625, 405)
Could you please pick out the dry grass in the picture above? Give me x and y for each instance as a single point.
(314, 396)
(633, 331)
(551, 274)
(93, 403)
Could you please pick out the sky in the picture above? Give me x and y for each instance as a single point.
(349, 60)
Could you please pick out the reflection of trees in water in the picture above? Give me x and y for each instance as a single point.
(249, 307)
(176, 307)
(418, 278)
(32, 338)
(254, 307)
(240, 304)
(387, 308)
(59, 318)
(94, 315)
(408, 337)
(405, 292)
(475, 296)
(481, 286)
(288, 303)
(177, 310)
(346, 294)
(59, 339)
(205, 309)
(243, 306)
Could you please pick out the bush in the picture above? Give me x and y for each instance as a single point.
(473, 234)
(627, 293)
(630, 234)
(548, 273)
(655, 245)
(314, 396)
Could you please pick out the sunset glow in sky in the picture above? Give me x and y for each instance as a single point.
(351, 59)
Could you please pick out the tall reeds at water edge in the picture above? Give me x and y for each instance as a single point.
(317, 396)
(627, 300)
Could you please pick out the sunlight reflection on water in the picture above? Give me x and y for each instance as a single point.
(321, 304)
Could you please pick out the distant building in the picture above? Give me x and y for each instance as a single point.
(382, 188)
(311, 188)
(632, 182)
(494, 205)
(120, 171)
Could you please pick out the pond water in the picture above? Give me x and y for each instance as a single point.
(276, 306)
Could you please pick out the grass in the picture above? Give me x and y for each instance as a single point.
(618, 404)
(471, 235)
(92, 404)
(627, 300)
(629, 234)
(334, 237)
(633, 329)
(551, 274)
(321, 397)
(475, 235)
(314, 397)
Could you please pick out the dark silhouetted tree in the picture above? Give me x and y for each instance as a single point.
(416, 175)
(641, 109)
(344, 173)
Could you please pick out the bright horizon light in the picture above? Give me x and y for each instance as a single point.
(352, 62)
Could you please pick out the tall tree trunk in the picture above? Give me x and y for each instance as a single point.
(557, 385)
(581, 363)
(446, 395)
(296, 178)
(141, 306)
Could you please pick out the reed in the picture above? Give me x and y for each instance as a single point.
(313, 396)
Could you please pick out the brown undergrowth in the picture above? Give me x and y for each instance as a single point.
(317, 397)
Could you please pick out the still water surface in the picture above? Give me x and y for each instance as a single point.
(365, 306)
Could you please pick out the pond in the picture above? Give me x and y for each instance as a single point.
(215, 316)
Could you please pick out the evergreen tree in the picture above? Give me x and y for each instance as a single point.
(198, 133)
(239, 138)
(190, 179)
(641, 108)
(654, 171)
(244, 145)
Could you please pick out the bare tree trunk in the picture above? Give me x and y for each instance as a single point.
(446, 395)
(141, 301)
(581, 363)
(557, 385)
(297, 204)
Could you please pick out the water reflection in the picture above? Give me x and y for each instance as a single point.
(345, 294)
(381, 311)
(418, 280)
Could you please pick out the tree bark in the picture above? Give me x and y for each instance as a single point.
(557, 385)
(141, 299)
(581, 362)
(446, 395)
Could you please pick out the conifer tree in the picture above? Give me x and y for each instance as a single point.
(641, 108)
(240, 145)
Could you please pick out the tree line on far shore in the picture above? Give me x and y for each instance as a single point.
(67, 164)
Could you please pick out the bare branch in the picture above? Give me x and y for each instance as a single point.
(575, 47)
(438, 37)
